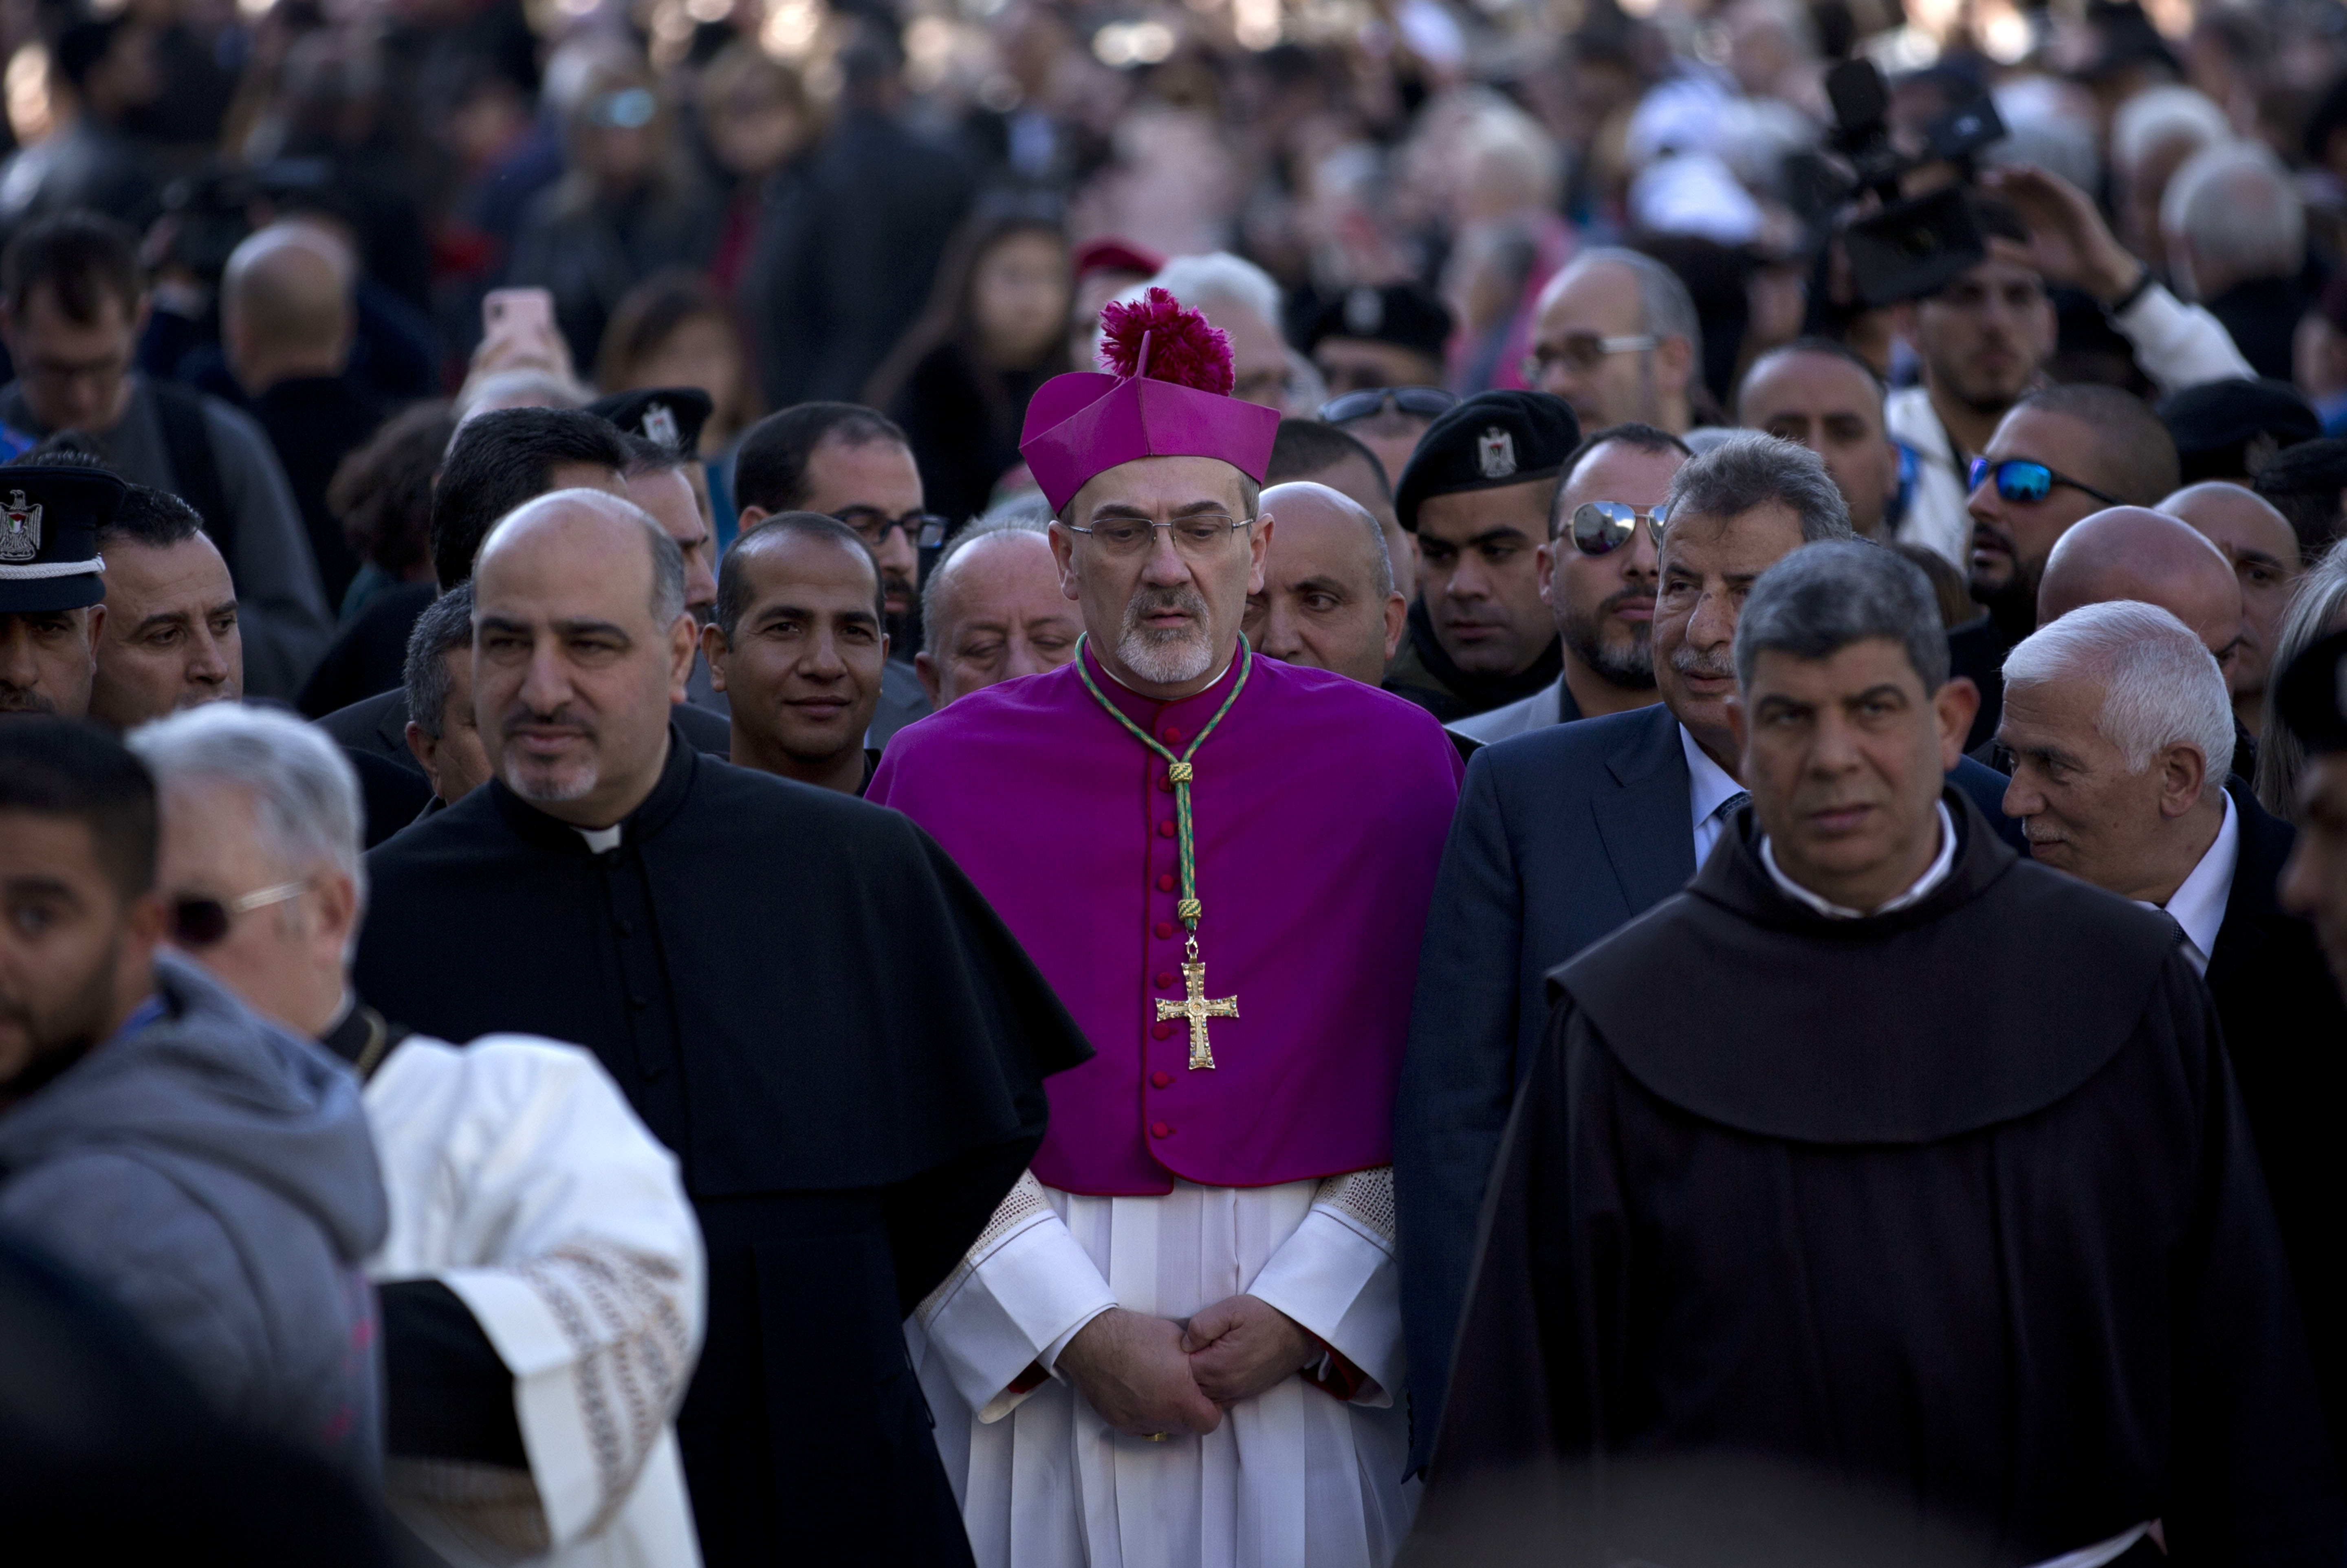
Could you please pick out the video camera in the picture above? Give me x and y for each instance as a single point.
(1910, 246)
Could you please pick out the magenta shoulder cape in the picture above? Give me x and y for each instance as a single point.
(1321, 808)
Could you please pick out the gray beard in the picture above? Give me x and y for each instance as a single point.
(1165, 657)
(549, 793)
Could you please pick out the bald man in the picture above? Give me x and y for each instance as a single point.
(2134, 552)
(1328, 598)
(2264, 548)
(992, 610)
(287, 315)
(1818, 393)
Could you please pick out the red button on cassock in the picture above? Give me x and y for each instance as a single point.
(1165, 882)
(1172, 735)
(1160, 1130)
(1162, 1080)
(1164, 830)
(1164, 979)
(1163, 929)
(1166, 783)
(1162, 1030)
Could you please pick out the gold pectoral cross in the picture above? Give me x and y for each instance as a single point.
(1197, 1008)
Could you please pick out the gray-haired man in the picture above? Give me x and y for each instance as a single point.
(542, 1260)
(1953, 1217)
(1565, 833)
(2120, 731)
(442, 732)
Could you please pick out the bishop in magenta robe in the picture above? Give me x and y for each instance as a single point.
(1230, 1135)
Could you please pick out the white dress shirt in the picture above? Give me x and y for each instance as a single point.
(1934, 875)
(1708, 788)
(2197, 904)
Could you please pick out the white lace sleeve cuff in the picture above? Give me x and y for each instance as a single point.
(1019, 1295)
(1335, 1277)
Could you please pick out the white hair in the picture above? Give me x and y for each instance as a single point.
(1217, 278)
(2161, 686)
(2158, 115)
(2235, 205)
(305, 794)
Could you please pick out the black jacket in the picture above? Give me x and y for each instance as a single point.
(2286, 1032)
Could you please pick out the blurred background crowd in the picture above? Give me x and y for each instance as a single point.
(920, 205)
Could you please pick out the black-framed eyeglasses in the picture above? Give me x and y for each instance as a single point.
(1426, 402)
(1199, 534)
(1583, 352)
(2024, 479)
(1601, 528)
(873, 525)
(201, 922)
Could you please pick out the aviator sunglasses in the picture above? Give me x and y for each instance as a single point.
(2023, 480)
(1601, 528)
(201, 922)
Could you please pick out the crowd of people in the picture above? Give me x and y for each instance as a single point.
(1277, 784)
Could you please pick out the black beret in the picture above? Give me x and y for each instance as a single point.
(1493, 438)
(1408, 315)
(49, 519)
(2229, 429)
(671, 415)
(2310, 698)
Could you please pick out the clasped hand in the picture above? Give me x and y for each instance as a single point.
(1148, 1375)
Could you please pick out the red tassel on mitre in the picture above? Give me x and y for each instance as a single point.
(1160, 337)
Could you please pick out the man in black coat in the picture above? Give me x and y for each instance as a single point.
(799, 994)
(2121, 733)
(1788, 1181)
(1565, 834)
(498, 461)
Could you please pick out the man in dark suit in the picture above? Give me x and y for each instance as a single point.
(498, 461)
(1565, 834)
(2121, 730)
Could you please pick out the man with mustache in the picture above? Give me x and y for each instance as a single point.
(2061, 455)
(1565, 833)
(1597, 579)
(799, 994)
(1220, 861)
(52, 585)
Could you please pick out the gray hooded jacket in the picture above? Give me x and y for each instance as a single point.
(214, 1174)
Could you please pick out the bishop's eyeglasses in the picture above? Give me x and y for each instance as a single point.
(1198, 533)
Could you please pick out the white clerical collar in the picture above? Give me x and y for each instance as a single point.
(602, 840)
(2197, 904)
(1147, 697)
(1707, 783)
(1934, 875)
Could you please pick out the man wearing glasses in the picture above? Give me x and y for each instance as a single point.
(1221, 863)
(74, 301)
(1597, 579)
(850, 463)
(1615, 335)
(2060, 455)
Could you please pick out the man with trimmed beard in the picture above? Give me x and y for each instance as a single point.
(1597, 579)
(1221, 862)
(800, 995)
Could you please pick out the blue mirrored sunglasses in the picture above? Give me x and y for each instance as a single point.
(2021, 479)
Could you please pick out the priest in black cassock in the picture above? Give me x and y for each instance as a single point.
(801, 995)
(1885, 1153)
